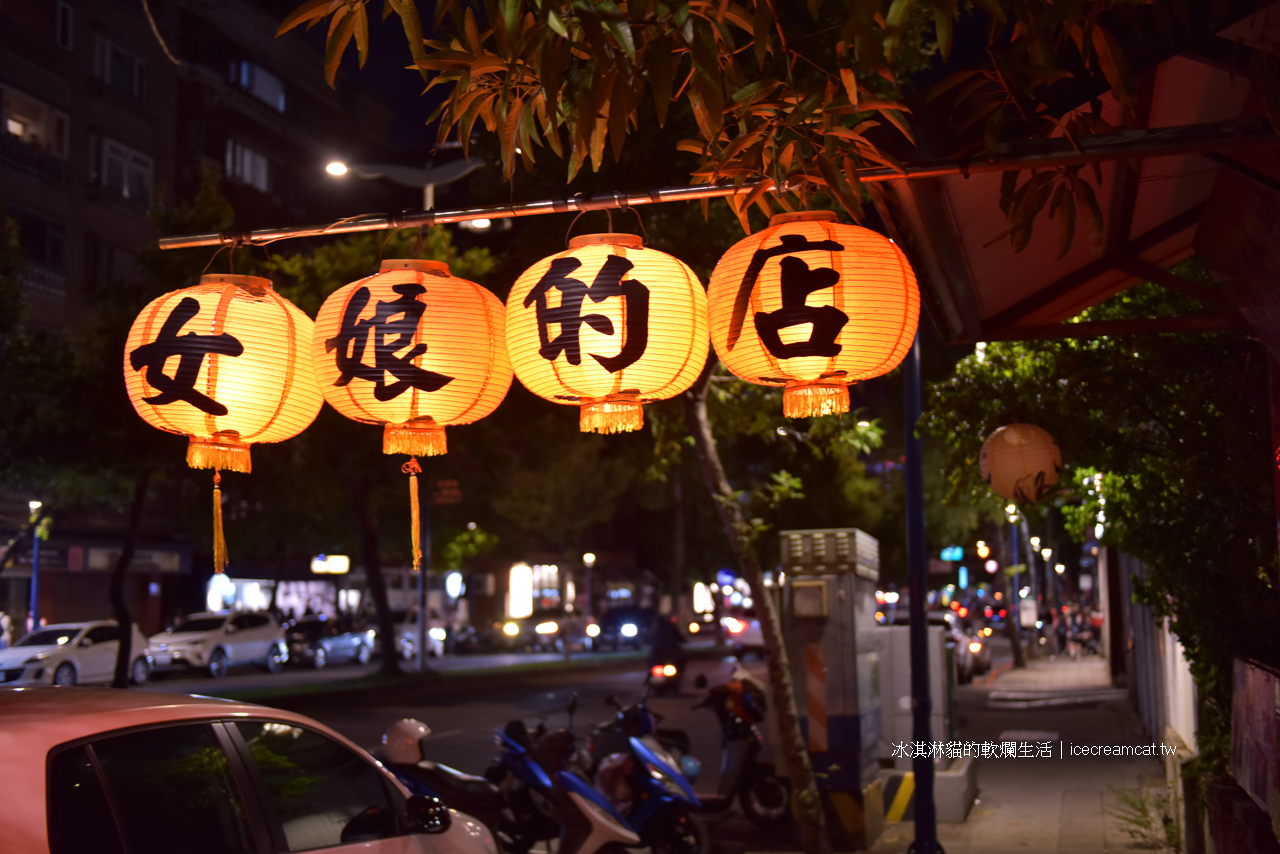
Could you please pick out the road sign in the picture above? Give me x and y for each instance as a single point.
(446, 492)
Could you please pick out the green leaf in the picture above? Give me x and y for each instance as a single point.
(1114, 66)
(308, 11)
(341, 29)
(556, 23)
(660, 68)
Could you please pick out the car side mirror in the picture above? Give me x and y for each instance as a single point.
(700, 682)
(86, 642)
(428, 815)
(230, 629)
(610, 701)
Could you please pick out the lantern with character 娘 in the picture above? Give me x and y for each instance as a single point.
(415, 349)
(607, 325)
(226, 363)
(812, 305)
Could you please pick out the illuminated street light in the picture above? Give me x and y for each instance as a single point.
(1059, 569)
(336, 168)
(410, 176)
(1046, 553)
(991, 566)
(983, 550)
(1035, 542)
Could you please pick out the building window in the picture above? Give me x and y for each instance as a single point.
(126, 173)
(258, 82)
(64, 28)
(35, 122)
(248, 166)
(43, 240)
(120, 70)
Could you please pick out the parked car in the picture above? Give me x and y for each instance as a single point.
(406, 623)
(72, 654)
(216, 641)
(956, 639)
(319, 641)
(114, 771)
(744, 635)
(625, 626)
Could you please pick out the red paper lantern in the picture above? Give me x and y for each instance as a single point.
(607, 325)
(226, 363)
(413, 348)
(812, 305)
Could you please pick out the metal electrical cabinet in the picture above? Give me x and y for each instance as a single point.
(828, 620)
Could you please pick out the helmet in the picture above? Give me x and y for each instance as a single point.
(401, 742)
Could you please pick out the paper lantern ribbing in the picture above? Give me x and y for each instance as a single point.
(226, 363)
(413, 348)
(813, 305)
(629, 324)
(1020, 462)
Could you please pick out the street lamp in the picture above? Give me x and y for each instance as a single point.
(589, 561)
(408, 176)
(34, 606)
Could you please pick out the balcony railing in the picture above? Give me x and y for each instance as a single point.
(46, 283)
(18, 155)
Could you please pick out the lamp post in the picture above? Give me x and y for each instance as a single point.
(34, 606)
(408, 176)
(589, 561)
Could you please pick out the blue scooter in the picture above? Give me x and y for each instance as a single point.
(642, 778)
(550, 796)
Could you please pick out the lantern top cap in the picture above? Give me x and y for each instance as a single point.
(633, 240)
(254, 284)
(419, 265)
(802, 216)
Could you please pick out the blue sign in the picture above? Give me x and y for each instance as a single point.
(953, 553)
(725, 578)
(964, 577)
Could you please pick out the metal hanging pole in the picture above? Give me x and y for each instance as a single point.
(1040, 154)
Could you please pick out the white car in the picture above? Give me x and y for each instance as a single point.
(219, 640)
(72, 654)
(113, 771)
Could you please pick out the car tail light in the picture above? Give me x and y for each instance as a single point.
(656, 670)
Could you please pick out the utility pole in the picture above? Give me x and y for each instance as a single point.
(926, 841)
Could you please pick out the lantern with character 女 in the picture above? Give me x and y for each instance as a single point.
(226, 363)
(812, 305)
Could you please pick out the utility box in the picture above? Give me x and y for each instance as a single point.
(895, 691)
(828, 620)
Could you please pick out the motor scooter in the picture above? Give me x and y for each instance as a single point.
(739, 704)
(548, 779)
(643, 779)
(402, 755)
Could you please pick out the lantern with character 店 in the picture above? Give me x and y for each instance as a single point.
(226, 363)
(415, 349)
(607, 325)
(812, 305)
(1020, 462)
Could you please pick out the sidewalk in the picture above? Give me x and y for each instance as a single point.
(1053, 804)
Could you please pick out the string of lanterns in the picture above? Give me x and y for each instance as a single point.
(807, 304)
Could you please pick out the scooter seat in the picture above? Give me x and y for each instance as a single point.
(454, 786)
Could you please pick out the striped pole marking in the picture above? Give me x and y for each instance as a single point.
(899, 794)
(815, 667)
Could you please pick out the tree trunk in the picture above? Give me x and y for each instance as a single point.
(810, 818)
(119, 609)
(358, 493)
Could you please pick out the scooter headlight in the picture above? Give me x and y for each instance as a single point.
(668, 782)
